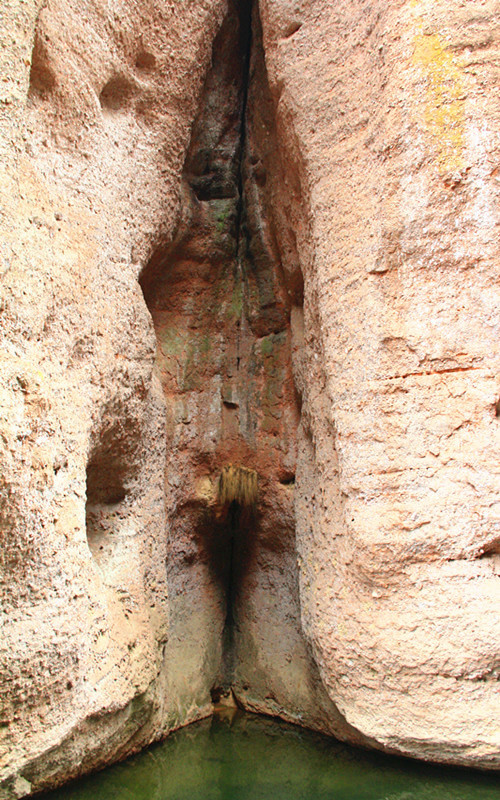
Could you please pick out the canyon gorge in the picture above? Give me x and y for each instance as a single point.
(250, 397)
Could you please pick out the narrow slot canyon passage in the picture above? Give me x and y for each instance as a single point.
(250, 408)
(221, 310)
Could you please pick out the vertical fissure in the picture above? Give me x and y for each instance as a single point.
(234, 512)
(245, 10)
(227, 669)
(246, 45)
(224, 362)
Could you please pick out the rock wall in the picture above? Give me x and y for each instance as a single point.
(221, 308)
(388, 114)
(312, 212)
(97, 111)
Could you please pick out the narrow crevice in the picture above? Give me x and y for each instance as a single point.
(231, 588)
(221, 313)
(246, 10)
(246, 46)
(235, 514)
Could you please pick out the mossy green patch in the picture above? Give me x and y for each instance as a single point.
(266, 345)
(171, 341)
(271, 352)
(205, 344)
(197, 351)
(236, 304)
(223, 212)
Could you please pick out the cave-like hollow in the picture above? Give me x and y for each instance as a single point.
(221, 308)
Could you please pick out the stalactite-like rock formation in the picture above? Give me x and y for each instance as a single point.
(250, 375)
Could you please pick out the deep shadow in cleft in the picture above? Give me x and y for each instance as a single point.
(221, 311)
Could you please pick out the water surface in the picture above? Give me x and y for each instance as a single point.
(246, 757)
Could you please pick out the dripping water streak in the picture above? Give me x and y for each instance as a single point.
(234, 514)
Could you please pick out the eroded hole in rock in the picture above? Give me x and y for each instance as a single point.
(105, 484)
(221, 305)
(145, 60)
(42, 76)
(292, 27)
(116, 93)
(108, 471)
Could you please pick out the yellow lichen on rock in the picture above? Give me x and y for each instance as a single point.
(444, 112)
(205, 490)
(238, 485)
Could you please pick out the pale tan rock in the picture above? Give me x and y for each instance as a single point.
(371, 168)
(391, 114)
(92, 150)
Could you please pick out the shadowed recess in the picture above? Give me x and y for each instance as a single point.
(42, 76)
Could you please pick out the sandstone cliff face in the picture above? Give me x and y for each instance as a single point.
(389, 112)
(95, 123)
(312, 211)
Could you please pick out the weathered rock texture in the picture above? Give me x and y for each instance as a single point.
(389, 113)
(312, 212)
(96, 118)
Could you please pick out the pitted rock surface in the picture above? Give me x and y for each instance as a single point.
(312, 213)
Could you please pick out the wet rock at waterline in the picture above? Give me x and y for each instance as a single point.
(260, 239)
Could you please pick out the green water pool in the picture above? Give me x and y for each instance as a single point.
(246, 757)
